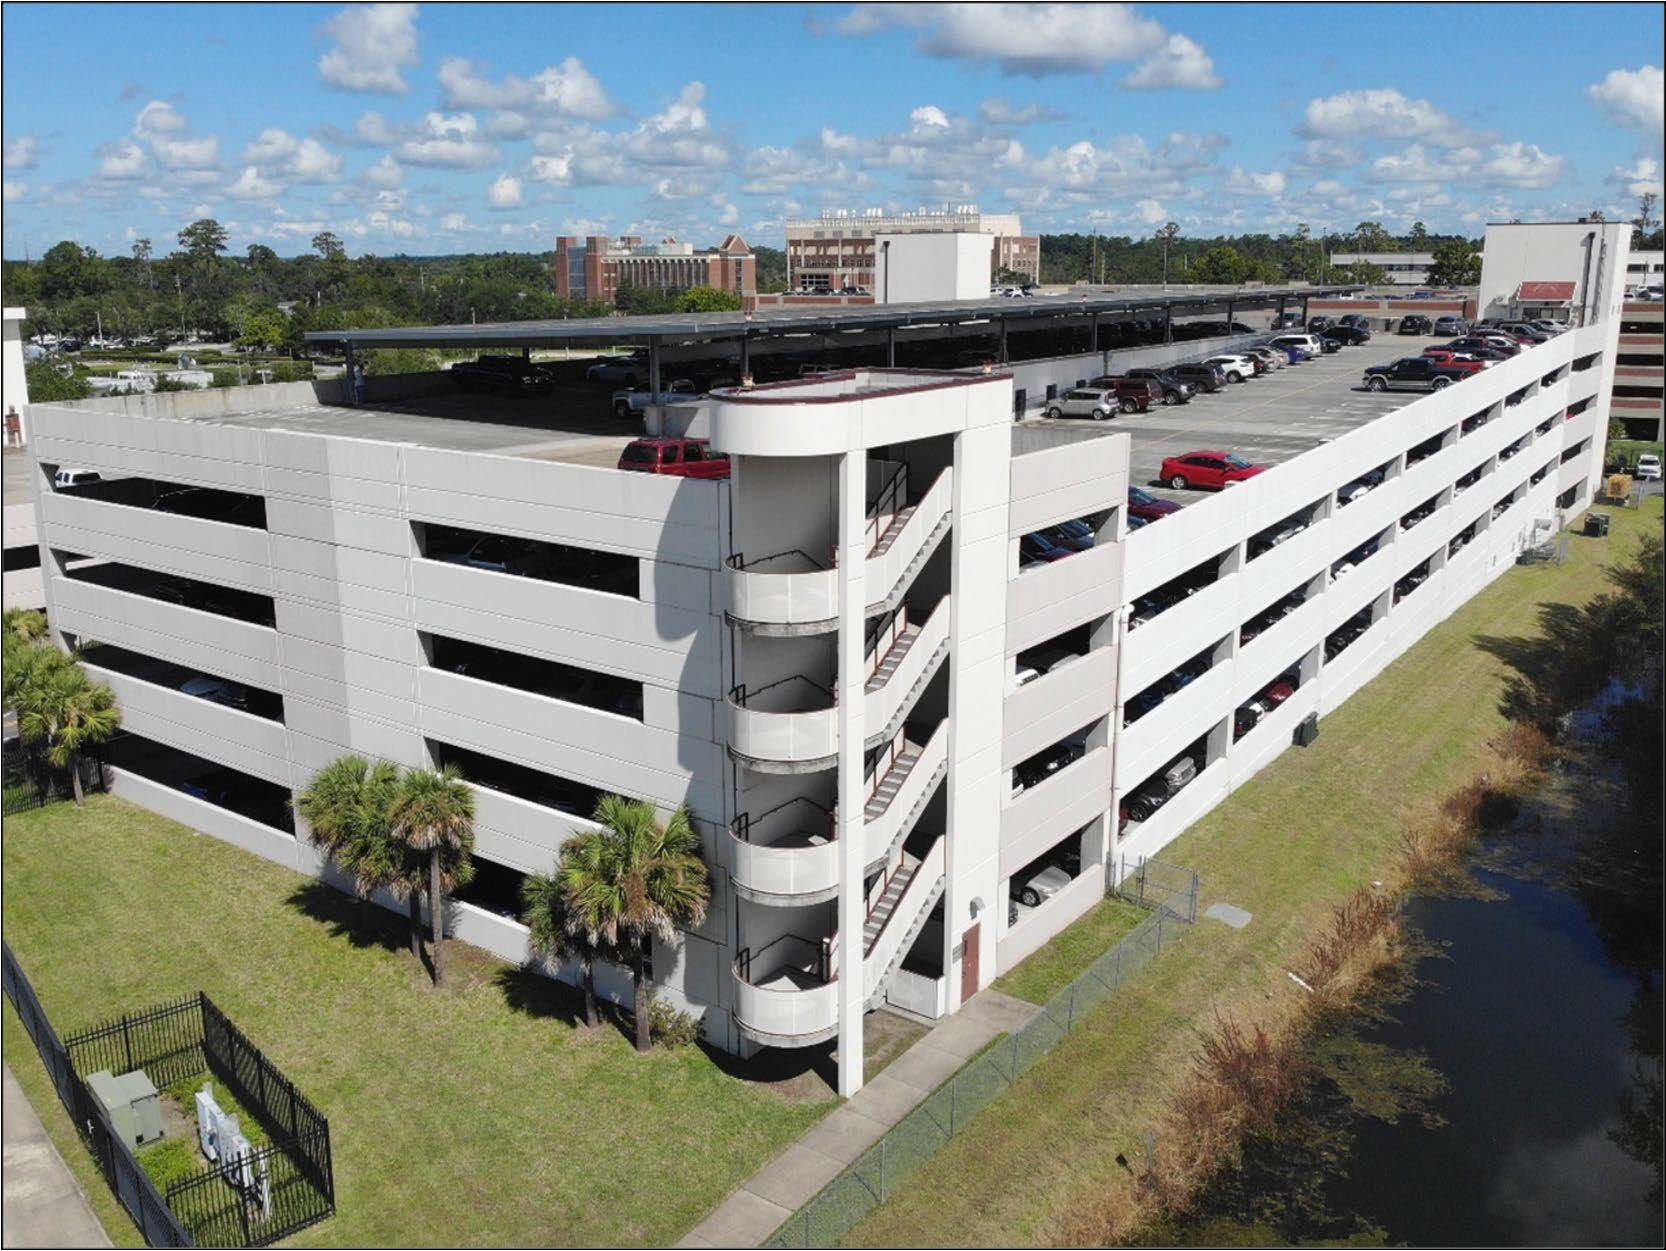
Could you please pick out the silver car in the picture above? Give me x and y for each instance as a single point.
(1083, 402)
(1043, 886)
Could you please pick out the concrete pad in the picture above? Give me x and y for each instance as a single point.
(793, 1177)
(924, 1068)
(742, 1220)
(1229, 914)
(843, 1135)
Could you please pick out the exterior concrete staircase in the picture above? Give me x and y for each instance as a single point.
(891, 782)
(893, 531)
(887, 902)
(893, 658)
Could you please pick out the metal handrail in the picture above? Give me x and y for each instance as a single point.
(741, 826)
(874, 531)
(739, 563)
(821, 949)
(741, 692)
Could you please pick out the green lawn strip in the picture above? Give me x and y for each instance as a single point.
(1048, 970)
(456, 1116)
(1312, 827)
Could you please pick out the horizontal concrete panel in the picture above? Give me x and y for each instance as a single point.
(1043, 814)
(343, 527)
(211, 551)
(1147, 838)
(1039, 925)
(224, 735)
(1056, 704)
(1052, 484)
(228, 826)
(1173, 637)
(1046, 600)
(334, 625)
(1279, 571)
(156, 628)
(1277, 648)
(1172, 726)
(1368, 517)
(611, 753)
(536, 828)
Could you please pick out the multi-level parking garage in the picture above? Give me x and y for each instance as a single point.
(916, 740)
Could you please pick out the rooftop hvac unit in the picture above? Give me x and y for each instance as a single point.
(1307, 730)
(131, 1103)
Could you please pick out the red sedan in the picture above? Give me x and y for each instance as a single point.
(1207, 470)
(1456, 360)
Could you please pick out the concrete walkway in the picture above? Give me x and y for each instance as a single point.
(43, 1206)
(777, 1190)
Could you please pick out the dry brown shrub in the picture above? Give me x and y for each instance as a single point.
(1353, 938)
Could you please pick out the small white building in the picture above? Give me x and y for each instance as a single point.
(950, 266)
(1554, 270)
(1645, 270)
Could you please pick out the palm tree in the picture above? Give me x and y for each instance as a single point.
(65, 712)
(545, 915)
(631, 880)
(26, 624)
(349, 807)
(434, 816)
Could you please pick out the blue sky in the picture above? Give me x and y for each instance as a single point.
(442, 128)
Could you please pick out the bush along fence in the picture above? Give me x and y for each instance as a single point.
(1168, 891)
(265, 1194)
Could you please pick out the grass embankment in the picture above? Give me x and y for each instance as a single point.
(1290, 846)
(1050, 969)
(480, 1114)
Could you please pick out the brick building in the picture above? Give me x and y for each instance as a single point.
(596, 268)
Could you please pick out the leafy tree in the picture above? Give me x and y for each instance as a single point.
(50, 384)
(68, 270)
(1419, 237)
(1220, 264)
(434, 815)
(64, 712)
(638, 301)
(634, 879)
(1456, 264)
(348, 806)
(327, 245)
(203, 240)
(707, 300)
(24, 649)
(1365, 273)
(1647, 223)
(552, 934)
(264, 328)
(141, 251)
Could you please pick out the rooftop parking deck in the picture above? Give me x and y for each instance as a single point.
(1268, 419)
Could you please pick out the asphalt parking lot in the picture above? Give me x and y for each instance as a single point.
(1268, 419)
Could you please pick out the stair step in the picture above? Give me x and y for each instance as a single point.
(898, 524)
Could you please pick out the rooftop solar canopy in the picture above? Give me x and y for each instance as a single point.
(696, 327)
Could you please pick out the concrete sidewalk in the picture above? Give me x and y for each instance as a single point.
(42, 1204)
(777, 1190)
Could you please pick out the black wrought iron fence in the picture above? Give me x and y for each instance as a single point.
(264, 1195)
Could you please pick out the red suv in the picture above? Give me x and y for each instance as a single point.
(1134, 395)
(1207, 469)
(682, 458)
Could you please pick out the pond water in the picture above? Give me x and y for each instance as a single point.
(1506, 1088)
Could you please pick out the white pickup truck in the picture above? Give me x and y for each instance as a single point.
(632, 403)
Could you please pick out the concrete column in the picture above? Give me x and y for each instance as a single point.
(853, 503)
(745, 359)
(1168, 323)
(891, 347)
(653, 366)
(1001, 353)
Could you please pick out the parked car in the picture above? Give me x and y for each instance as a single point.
(681, 458)
(1207, 470)
(1134, 394)
(1415, 323)
(1648, 468)
(1450, 324)
(1412, 373)
(1094, 403)
(1236, 368)
(498, 553)
(69, 479)
(1526, 332)
(1037, 547)
(1359, 321)
(1146, 506)
(1175, 390)
(1201, 377)
(1075, 534)
(625, 371)
(632, 403)
(1145, 802)
(512, 375)
(1350, 336)
(1309, 343)
(1316, 324)
(1465, 361)
(1269, 356)
(1550, 327)
(217, 690)
(1040, 886)
(1287, 321)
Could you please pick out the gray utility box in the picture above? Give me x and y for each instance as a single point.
(1307, 729)
(131, 1103)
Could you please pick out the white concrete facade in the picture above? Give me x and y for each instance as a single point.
(916, 268)
(839, 650)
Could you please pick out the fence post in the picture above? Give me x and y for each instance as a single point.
(882, 1167)
(127, 1042)
(952, 1086)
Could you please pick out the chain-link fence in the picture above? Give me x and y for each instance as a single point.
(1169, 891)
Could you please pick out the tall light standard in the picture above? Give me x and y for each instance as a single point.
(1168, 234)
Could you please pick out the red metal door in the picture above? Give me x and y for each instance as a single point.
(969, 963)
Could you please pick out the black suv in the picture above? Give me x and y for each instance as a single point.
(513, 374)
(1416, 323)
(1350, 335)
(1210, 378)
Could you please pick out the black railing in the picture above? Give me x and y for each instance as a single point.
(166, 1042)
(131, 1185)
(820, 957)
(742, 825)
(740, 693)
(892, 493)
(740, 564)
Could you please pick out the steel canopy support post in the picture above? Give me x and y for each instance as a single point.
(351, 375)
(1001, 350)
(1231, 307)
(891, 347)
(746, 360)
(653, 366)
(1168, 323)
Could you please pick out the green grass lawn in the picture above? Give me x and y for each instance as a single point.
(480, 1114)
(1311, 828)
(1045, 972)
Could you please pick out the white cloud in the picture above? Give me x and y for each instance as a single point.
(1328, 154)
(572, 91)
(1521, 165)
(158, 118)
(302, 160)
(1242, 181)
(164, 128)
(505, 192)
(556, 168)
(372, 43)
(448, 142)
(22, 152)
(251, 184)
(374, 129)
(14, 191)
(454, 222)
(1380, 113)
(929, 115)
(1021, 38)
(270, 146)
(122, 160)
(1632, 98)
(385, 173)
(1640, 178)
(1181, 64)
(1150, 212)
(1503, 164)
(997, 111)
